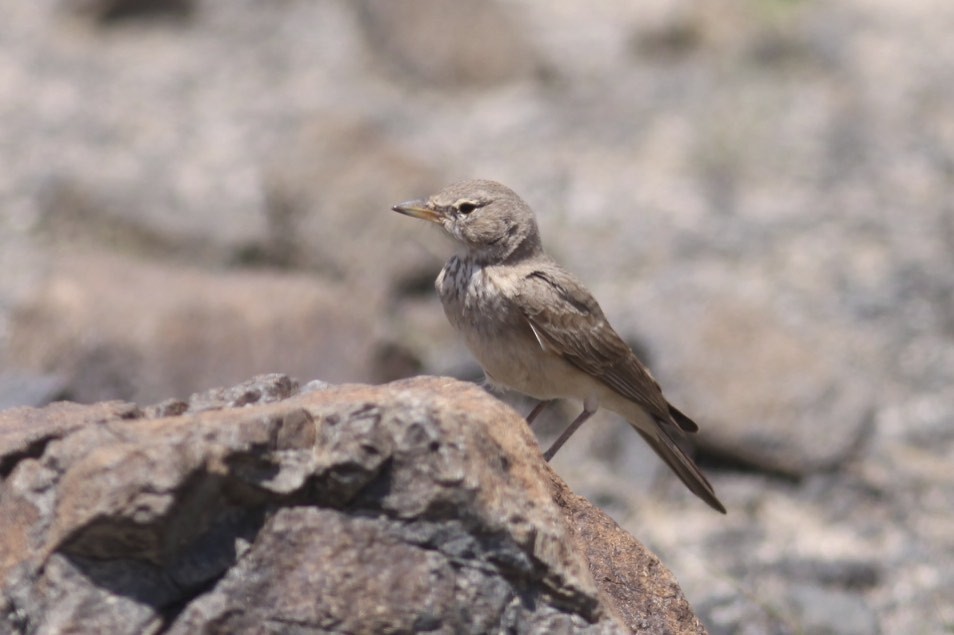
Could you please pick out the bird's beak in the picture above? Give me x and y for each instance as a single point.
(418, 209)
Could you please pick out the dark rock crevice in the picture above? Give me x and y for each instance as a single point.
(32, 450)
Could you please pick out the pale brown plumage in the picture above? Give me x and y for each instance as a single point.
(535, 328)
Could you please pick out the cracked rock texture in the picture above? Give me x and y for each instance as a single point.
(418, 506)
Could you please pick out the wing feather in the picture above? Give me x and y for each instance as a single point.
(568, 321)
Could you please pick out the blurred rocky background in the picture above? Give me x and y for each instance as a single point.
(758, 192)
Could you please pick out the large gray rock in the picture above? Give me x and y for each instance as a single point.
(328, 189)
(770, 393)
(451, 44)
(418, 506)
(118, 328)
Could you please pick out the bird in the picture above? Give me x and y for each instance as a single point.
(534, 327)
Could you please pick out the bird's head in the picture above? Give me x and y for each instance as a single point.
(487, 217)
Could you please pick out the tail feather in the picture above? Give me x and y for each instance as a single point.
(682, 420)
(684, 467)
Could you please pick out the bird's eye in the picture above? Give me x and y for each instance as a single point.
(466, 208)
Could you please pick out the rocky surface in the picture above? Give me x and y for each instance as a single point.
(758, 193)
(419, 506)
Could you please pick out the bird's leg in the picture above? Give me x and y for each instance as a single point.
(586, 414)
(537, 409)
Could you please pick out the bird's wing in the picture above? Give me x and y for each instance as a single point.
(567, 321)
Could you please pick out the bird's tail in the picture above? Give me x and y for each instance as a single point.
(684, 467)
(684, 422)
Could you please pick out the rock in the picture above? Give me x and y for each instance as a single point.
(768, 394)
(422, 505)
(75, 211)
(262, 389)
(641, 589)
(117, 328)
(329, 190)
(25, 432)
(448, 44)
